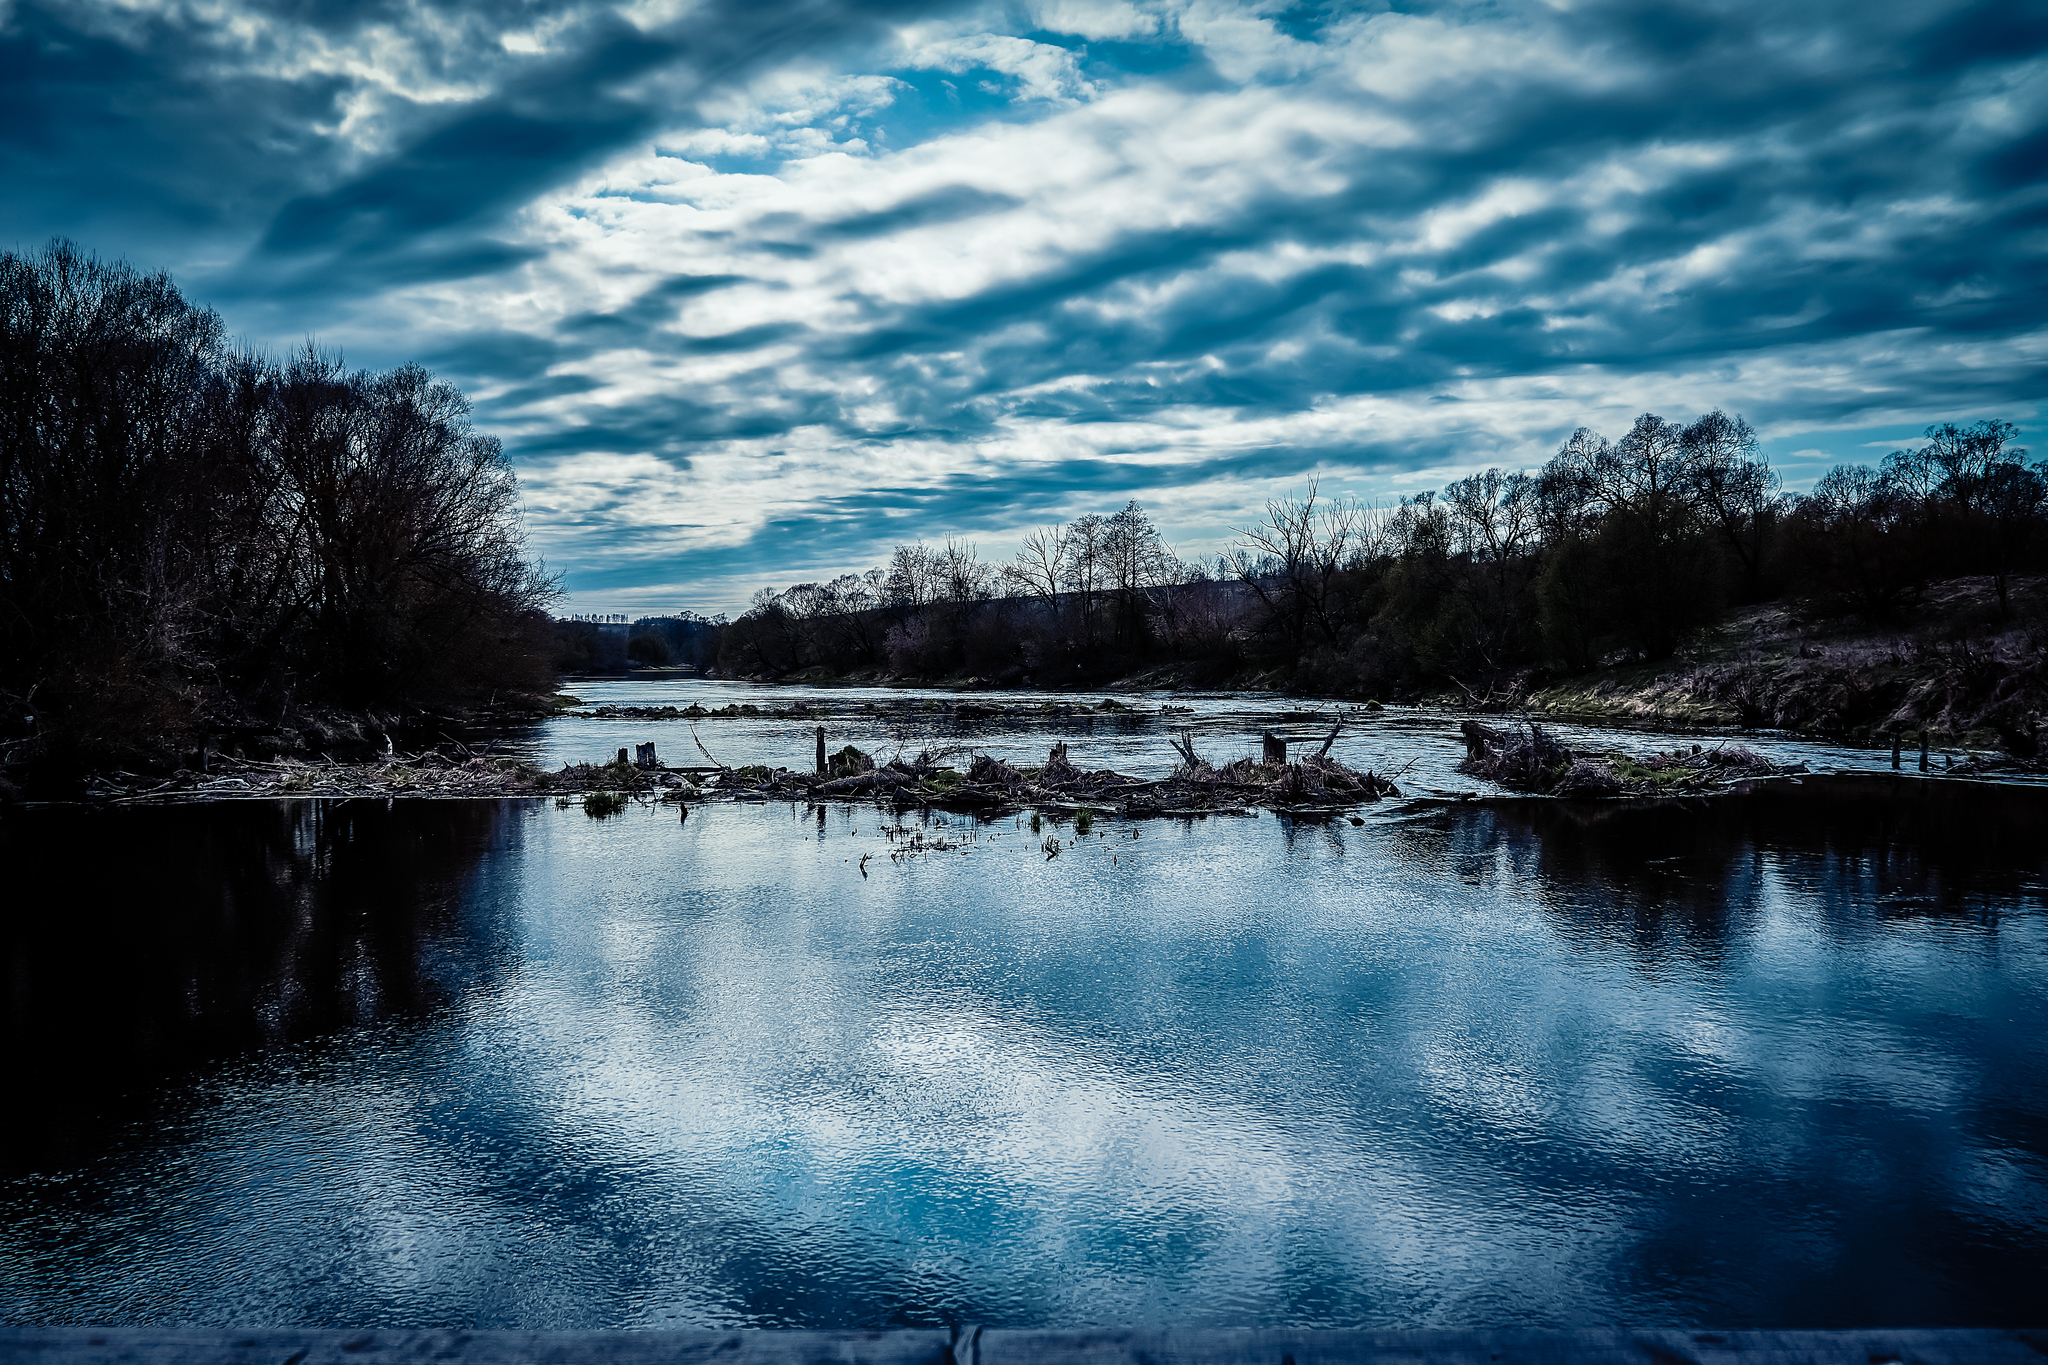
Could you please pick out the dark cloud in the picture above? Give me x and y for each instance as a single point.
(948, 205)
(492, 157)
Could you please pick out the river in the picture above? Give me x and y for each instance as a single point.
(1764, 1062)
(1133, 733)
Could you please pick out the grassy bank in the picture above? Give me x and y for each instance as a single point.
(1952, 665)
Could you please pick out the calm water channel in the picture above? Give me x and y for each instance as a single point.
(1778, 1063)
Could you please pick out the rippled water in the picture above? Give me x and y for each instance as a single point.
(502, 1065)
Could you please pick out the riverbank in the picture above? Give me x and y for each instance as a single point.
(1950, 665)
(346, 751)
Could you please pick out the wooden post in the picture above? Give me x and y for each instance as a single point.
(1923, 751)
(1897, 740)
(1275, 748)
(622, 758)
(821, 751)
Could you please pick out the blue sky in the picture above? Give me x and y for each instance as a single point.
(753, 291)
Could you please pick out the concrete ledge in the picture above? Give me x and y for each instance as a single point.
(976, 1346)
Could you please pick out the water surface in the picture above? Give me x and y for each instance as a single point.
(496, 1064)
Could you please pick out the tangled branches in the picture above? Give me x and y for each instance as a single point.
(1538, 762)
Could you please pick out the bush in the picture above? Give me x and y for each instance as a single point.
(649, 649)
(599, 805)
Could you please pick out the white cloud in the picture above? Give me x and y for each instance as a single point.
(1397, 247)
(1044, 72)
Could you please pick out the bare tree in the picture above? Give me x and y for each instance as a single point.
(1292, 561)
(1085, 567)
(960, 573)
(188, 523)
(1494, 518)
(1136, 559)
(914, 578)
(1041, 567)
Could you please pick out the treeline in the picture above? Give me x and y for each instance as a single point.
(198, 539)
(660, 641)
(1082, 598)
(1612, 548)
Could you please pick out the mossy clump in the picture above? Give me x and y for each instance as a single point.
(600, 805)
(1084, 820)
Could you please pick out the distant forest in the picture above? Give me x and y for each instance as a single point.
(200, 541)
(1613, 549)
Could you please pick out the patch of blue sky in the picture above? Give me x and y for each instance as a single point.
(933, 104)
(1306, 23)
(1112, 60)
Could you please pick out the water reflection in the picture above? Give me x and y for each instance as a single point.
(165, 938)
(1763, 1064)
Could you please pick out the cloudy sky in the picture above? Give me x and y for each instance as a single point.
(754, 289)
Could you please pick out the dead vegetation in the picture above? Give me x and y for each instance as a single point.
(432, 773)
(1525, 758)
(1952, 665)
(934, 779)
(991, 786)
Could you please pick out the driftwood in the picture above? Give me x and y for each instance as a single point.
(1317, 782)
(988, 785)
(1526, 758)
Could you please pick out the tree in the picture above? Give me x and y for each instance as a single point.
(105, 377)
(1735, 490)
(183, 526)
(1135, 559)
(1493, 522)
(1085, 537)
(1856, 532)
(1656, 583)
(914, 578)
(1293, 559)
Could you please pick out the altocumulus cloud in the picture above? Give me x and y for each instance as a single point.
(753, 290)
